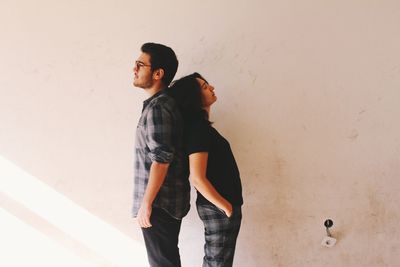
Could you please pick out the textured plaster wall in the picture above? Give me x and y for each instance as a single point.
(308, 95)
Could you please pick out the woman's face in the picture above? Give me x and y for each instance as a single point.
(208, 96)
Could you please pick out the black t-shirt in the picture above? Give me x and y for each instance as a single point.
(222, 170)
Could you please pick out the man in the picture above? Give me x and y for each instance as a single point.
(161, 192)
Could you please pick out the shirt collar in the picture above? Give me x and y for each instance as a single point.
(148, 100)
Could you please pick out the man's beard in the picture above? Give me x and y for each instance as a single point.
(147, 84)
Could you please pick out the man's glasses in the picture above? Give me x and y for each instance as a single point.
(140, 64)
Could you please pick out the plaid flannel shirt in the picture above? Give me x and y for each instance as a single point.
(159, 138)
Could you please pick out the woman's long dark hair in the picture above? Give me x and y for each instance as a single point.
(187, 94)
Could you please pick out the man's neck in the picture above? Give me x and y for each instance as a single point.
(154, 89)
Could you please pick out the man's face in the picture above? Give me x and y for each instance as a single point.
(143, 75)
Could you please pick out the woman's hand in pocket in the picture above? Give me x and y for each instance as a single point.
(228, 209)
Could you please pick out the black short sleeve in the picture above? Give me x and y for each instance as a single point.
(197, 137)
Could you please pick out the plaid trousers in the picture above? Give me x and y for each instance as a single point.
(220, 234)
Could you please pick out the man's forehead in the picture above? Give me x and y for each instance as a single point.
(144, 57)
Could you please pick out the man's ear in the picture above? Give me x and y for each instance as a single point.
(158, 74)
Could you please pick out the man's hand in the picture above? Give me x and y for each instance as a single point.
(157, 174)
(143, 216)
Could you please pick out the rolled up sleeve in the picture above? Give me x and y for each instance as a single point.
(159, 134)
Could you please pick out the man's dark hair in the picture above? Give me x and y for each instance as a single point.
(162, 57)
(187, 94)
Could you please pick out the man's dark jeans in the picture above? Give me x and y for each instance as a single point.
(162, 239)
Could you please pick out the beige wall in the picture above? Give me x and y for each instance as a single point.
(308, 95)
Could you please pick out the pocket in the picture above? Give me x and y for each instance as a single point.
(140, 141)
(141, 121)
(207, 212)
(222, 212)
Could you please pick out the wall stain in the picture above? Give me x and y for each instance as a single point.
(353, 135)
(377, 210)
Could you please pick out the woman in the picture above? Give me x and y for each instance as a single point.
(213, 170)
